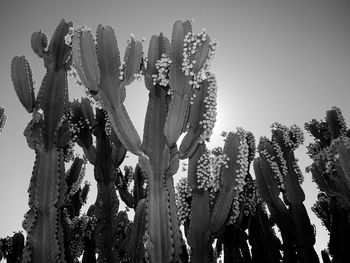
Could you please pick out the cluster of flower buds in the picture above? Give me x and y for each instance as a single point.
(241, 173)
(3, 119)
(124, 227)
(192, 44)
(340, 120)
(249, 197)
(209, 117)
(183, 199)
(329, 156)
(279, 154)
(68, 38)
(298, 171)
(138, 75)
(77, 122)
(271, 162)
(68, 151)
(292, 137)
(83, 227)
(76, 185)
(162, 77)
(242, 159)
(204, 175)
(235, 210)
(251, 146)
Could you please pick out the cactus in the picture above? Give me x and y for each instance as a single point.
(262, 238)
(11, 248)
(3, 119)
(217, 201)
(200, 197)
(166, 115)
(277, 172)
(105, 156)
(46, 136)
(330, 170)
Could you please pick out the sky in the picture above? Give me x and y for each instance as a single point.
(277, 61)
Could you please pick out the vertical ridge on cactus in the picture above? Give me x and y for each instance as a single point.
(3, 119)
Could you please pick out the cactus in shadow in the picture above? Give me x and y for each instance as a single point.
(131, 198)
(277, 172)
(170, 86)
(265, 246)
(47, 135)
(11, 248)
(3, 119)
(330, 153)
(111, 227)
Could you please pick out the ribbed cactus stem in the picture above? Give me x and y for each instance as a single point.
(3, 119)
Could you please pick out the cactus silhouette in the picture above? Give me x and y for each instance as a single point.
(330, 153)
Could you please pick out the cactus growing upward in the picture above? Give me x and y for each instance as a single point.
(330, 153)
(166, 117)
(277, 172)
(215, 197)
(47, 135)
(2, 119)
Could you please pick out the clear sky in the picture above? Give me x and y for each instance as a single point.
(284, 61)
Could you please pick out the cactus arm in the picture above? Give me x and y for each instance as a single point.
(288, 140)
(39, 43)
(108, 56)
(202, 116)
(132, 59)
(179, 83)
(112, 89)
(158, 45)
(269, 192)
(59, 52)
(125, 129)
(85, 59)
(197, 109)
(23, 82)
(3, 119)
(232, 178)
(136, 246)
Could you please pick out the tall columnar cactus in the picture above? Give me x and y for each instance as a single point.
(215, 176)
(2, 119)
(171, 85)
(47, 135)
(330, 153)
(106, 156)
(277, 172)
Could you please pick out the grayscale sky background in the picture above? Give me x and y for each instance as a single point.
(277, 61)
